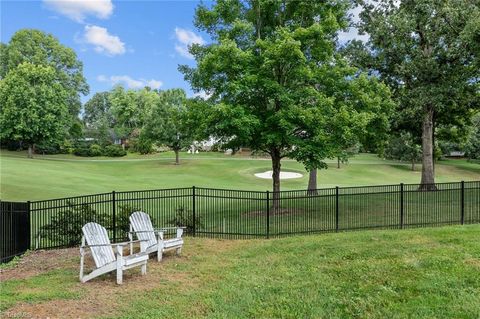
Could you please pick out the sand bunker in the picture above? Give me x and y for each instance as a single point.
(283, 175)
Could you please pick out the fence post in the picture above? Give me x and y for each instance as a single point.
(336, 209)
(193, 212)
(29, 225)
(114, 219)
(268, 214)
(401, 206)
(462, 199)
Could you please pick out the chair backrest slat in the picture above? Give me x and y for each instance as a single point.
(141, 222)
(96, 234)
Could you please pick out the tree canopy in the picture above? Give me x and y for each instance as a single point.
(40, 48)
(166, 121)
(276, 83)
(34, 105)
(427, 51)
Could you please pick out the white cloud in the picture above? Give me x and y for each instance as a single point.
(130, 82)
(154, 84)
(103, 41)
(185, 38)
(78, 10)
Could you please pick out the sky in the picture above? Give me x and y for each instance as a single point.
(131, 43)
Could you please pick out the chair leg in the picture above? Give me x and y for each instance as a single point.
(144, 269)
(119, 264)
(119, 275)
(179, 251)
(159, 255)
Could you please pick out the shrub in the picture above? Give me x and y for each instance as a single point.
(95, 150)
(122, 221)
(82, 150)
(67, 147)
(184, 218)
(143, 145)
(65, 228)
(114, 151)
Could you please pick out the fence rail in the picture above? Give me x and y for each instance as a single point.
(227, 213)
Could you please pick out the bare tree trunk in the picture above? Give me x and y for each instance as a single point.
(30, 150)
(177, 157)
(413, 164)
(276, 179)
(338, 162)
(428, 174)
(312, 182)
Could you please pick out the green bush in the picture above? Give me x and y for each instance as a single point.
(114, 151)
(122, 219)
(65, 228)
(67, 147)
(143, 145)
(82, 150)
(184, 218)
(95, 150)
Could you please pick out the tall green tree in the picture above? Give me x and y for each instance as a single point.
(98, 117)
(428, 53)
(266, 71)
(34, 105)
(130, 109)
(166, 122)
(40, 48)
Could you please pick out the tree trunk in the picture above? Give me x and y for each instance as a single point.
(312, 182)
(276, 179)
(413, 164)
(428, 175)
(30, 151)
(177, 157)
(338, 162)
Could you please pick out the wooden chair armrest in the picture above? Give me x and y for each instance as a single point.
(125, 243)
(142, 231)
(170, 228)
(98, 245)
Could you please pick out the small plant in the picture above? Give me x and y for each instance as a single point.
(184, 218)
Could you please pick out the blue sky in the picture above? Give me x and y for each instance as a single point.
(133, 43)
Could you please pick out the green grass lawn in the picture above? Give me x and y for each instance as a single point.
(422, 273)
(56, 176)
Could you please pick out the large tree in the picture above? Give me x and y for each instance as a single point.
(40, 48)
(428, 52)
(98, 117)
(130, 109)
(166, 121)
(266, 70)
(34, 105)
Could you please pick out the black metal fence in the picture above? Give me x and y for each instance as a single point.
(248, 214)
(15, 229)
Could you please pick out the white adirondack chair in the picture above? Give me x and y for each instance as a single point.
(106, 260)
(152, 239)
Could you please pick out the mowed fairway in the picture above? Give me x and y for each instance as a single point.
(56, 176)
(422, 273)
